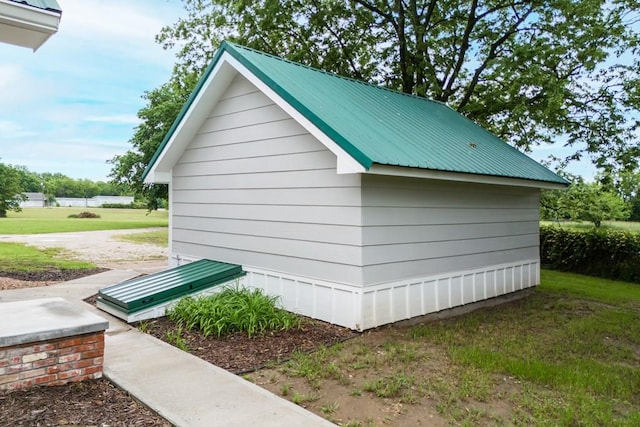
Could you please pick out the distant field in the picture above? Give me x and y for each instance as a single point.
(55, 220)
(583, 225)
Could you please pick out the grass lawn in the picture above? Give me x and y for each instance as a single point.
(18, 257)
(584, 225)
(56, 220)
(158, 238)
(567, 355)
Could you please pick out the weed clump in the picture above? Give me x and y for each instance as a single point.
(234, 309)
(84, 215)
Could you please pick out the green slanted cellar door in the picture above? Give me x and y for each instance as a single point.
(160, 288)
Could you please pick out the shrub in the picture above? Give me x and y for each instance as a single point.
(612, 254)
(134, 205)
(84, 215)
(232, 310)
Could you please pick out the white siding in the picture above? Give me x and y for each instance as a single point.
(255, 188)
(417, 228)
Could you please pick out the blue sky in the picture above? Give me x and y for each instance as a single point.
(71, 106)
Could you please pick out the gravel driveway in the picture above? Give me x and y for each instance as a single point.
(99, 247)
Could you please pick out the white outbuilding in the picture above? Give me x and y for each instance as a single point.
(355, 204)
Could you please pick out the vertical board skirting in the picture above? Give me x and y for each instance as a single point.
(335, 303)
(365, 308)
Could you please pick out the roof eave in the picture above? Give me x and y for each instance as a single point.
(216, 78)
(378, 169)
(193, 114)
(26, 26)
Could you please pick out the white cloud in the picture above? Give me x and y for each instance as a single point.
(10, 129)
(116, 118)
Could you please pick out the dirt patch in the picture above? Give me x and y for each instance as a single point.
(34, 279)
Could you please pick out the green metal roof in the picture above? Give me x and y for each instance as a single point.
(147, 291)
(51, 5)
(375, 125)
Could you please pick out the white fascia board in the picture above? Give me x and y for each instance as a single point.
(199, 109)
(463, 177)
(345, 163)
(26, 26)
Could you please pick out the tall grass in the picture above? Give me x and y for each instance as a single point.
(234, 309)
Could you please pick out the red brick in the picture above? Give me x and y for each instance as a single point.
(93, 369)
(55, 383)
(32, 373)
(46, 379)
(44, 347)
(4, 362)
(69, 358)
(58, 368)
(45, 362)
(100, 345)
(70, 342)
(93, 338)
(65, 351)
(18, 368)
(83, 363)
(16, 352)
(92, 354)
(69, 374)
(98, 361)
(9, 378)
(15, 360)
(84, 347)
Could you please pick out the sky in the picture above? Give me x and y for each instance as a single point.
(71, 106)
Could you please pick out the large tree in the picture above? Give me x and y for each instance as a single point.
(11, 192)
(533, 72)
(163, 105)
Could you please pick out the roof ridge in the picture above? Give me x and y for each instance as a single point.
(328, 73)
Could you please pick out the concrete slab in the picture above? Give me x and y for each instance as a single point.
(45, 319)
(188, 391)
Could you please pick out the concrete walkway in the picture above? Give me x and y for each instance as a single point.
(182, 388)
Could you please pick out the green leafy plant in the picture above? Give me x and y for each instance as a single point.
(234, 309)
(604, 253)
(175, 338)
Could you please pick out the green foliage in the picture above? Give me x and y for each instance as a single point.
(163, 106)
(133, 205)
(11, 192)
(583, 202)
(604, 253)
(18, 257)
(233, 310)
(529, 71)
(175, 338)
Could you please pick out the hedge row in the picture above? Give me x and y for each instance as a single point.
(134, 205)
(604, 253)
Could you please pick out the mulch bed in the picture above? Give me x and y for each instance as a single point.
(101, 403)
(87, 403)
(51, 275)
(240, 354)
